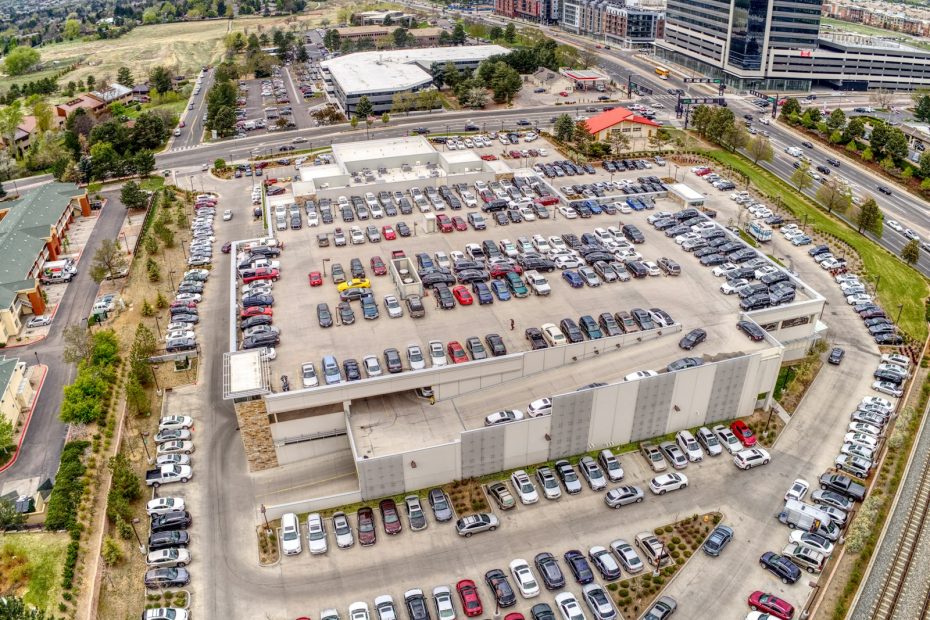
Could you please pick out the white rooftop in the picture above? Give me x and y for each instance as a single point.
(397, 70)
(370, 151)
(246, 373)
(685, 191)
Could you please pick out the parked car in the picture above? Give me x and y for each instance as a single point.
(550, 571)
(476, 523)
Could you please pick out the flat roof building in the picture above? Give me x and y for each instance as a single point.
(381, 75)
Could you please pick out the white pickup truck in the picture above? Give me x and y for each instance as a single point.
(537, 282)
(167, 474)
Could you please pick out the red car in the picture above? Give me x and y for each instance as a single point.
(743, 433)
(377, 266)
(255, 311)
(366, 527)
(445, 224)
(456, 352)
(226, 247)
(514, 616)
(389, 517)
(261, 273)
(489, 157)
(760, 601)
(462, 295)
(563, 94)
(459, 223)
(471, 602)
(548, 200)
(388, 234)
(316, 278)
(500, 270)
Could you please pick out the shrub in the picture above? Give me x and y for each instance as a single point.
(160, 301)
(153, 270)
(147, 309)
(151, 245)
(66, 494)
(111, 552)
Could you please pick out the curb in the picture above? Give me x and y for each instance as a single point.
(32, 409)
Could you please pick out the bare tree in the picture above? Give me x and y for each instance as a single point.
(760, 149)
(881, 98)
(78, 343)
(835, 196)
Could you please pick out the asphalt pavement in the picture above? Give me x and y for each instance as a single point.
(41, 449)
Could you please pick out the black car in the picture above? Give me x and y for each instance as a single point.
(416, 605)
(168, 539)
(632, 233)
(323, 316)
(884, 189)
(173, 520)
(683, 363)
(402, 229)
(549, 570)
(264, 339)
(393, 361)
(755, 333)
(692, 339)
(444, 297)
(499, 584)
(535, 336)
(185, 318)
(836, 355)
(643, 319)
(257, 300)
(254, 321)
(579, 566)
(571, 330)
(718, 539)
(542, 611)
(346, 314)
(608, 324)
(353, 373)
(158, 578)
(495, 344)
(844, 485)
(780, 566)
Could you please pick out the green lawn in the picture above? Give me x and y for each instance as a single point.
(6, 80)
(901, 285)
(46, 553)
(152, 183)
(872, 30)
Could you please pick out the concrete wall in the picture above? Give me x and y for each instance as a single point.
(295, 440)
(309, 505)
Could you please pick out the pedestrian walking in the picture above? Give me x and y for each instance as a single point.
(512, 325)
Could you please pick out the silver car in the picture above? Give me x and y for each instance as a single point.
(592, 473)
(673, 453)
(627, 556)
(343, 530)
(621, 496)
(548, 483)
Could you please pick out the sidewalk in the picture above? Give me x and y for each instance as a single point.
(36, 376)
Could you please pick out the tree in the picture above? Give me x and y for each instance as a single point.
(495, 33)
(7, 445)
(10, 519)
(472, 94)
(385, 118)
(458, 34)
(870, 217)
(43, 113)
(224, 122)
(897, 147)
(72, 29)
(835, 196)
(760, 149)
(911, 252)
(400, 37)
(564, 127)
(854, 130)
(878, 139)
(149, 131)
(364, 108)
(836, 120)
(132, 196)
(20, 60)
(109, 260)
(618, 141)
(802, 178)
(922, 108)
(881, 98)
(143, 163)
(353, 122)
(111, 552)
(510, 33)
(137, 399)
(790, 108)
(124, 77)
(581, 136)
(505, 82)
(160, 79)
(925, 164)
(445, 38)
(11, 117)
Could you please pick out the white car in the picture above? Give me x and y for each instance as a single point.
(437, 354)
(227, 215)
(393, 307)
(731, 286)
(316, 533)
(728, 439)
(564, 261)
(887, 387)
(569, 214)
(894, 225)
(751, 457)
(549, 483)
(897, 359)
(814, 542)
(569, 607)
(877, 402)
(175, 447)
(858, 298)
(445, 608)
(372, 366)
(652, 268)
(553, 335)
(689, 446)
(384, 607)
(663, 483)
(161, 505)
(168, 558)
(172, 422)
(290, 534)
(539, 407)
(166, 613)
(415, 357)
(503, 417)
(308, 376)
(856, 449)
(864, 429)
(722, 270)
(861, 439)
(343, 530)
(195, 297)
(640, 374)
(526, 491)
(359, 611)
(798, 490)
(524, 578)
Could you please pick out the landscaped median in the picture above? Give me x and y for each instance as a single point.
(900, 285)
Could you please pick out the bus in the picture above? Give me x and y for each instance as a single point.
(662, 72)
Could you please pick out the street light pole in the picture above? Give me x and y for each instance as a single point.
(148, 457)
(134, 531)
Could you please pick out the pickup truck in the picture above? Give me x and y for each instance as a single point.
(266, 263)
(167, 474)
(537, 282)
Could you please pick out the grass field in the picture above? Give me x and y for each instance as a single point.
(184, 47)
(30, 565)
(900, 284)
(7, 81)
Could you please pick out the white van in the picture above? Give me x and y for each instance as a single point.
(793, 151)
(290, 534)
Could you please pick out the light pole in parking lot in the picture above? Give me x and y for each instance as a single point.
(136, 532)
(897, 320)
(325, 260)
(183, 250)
